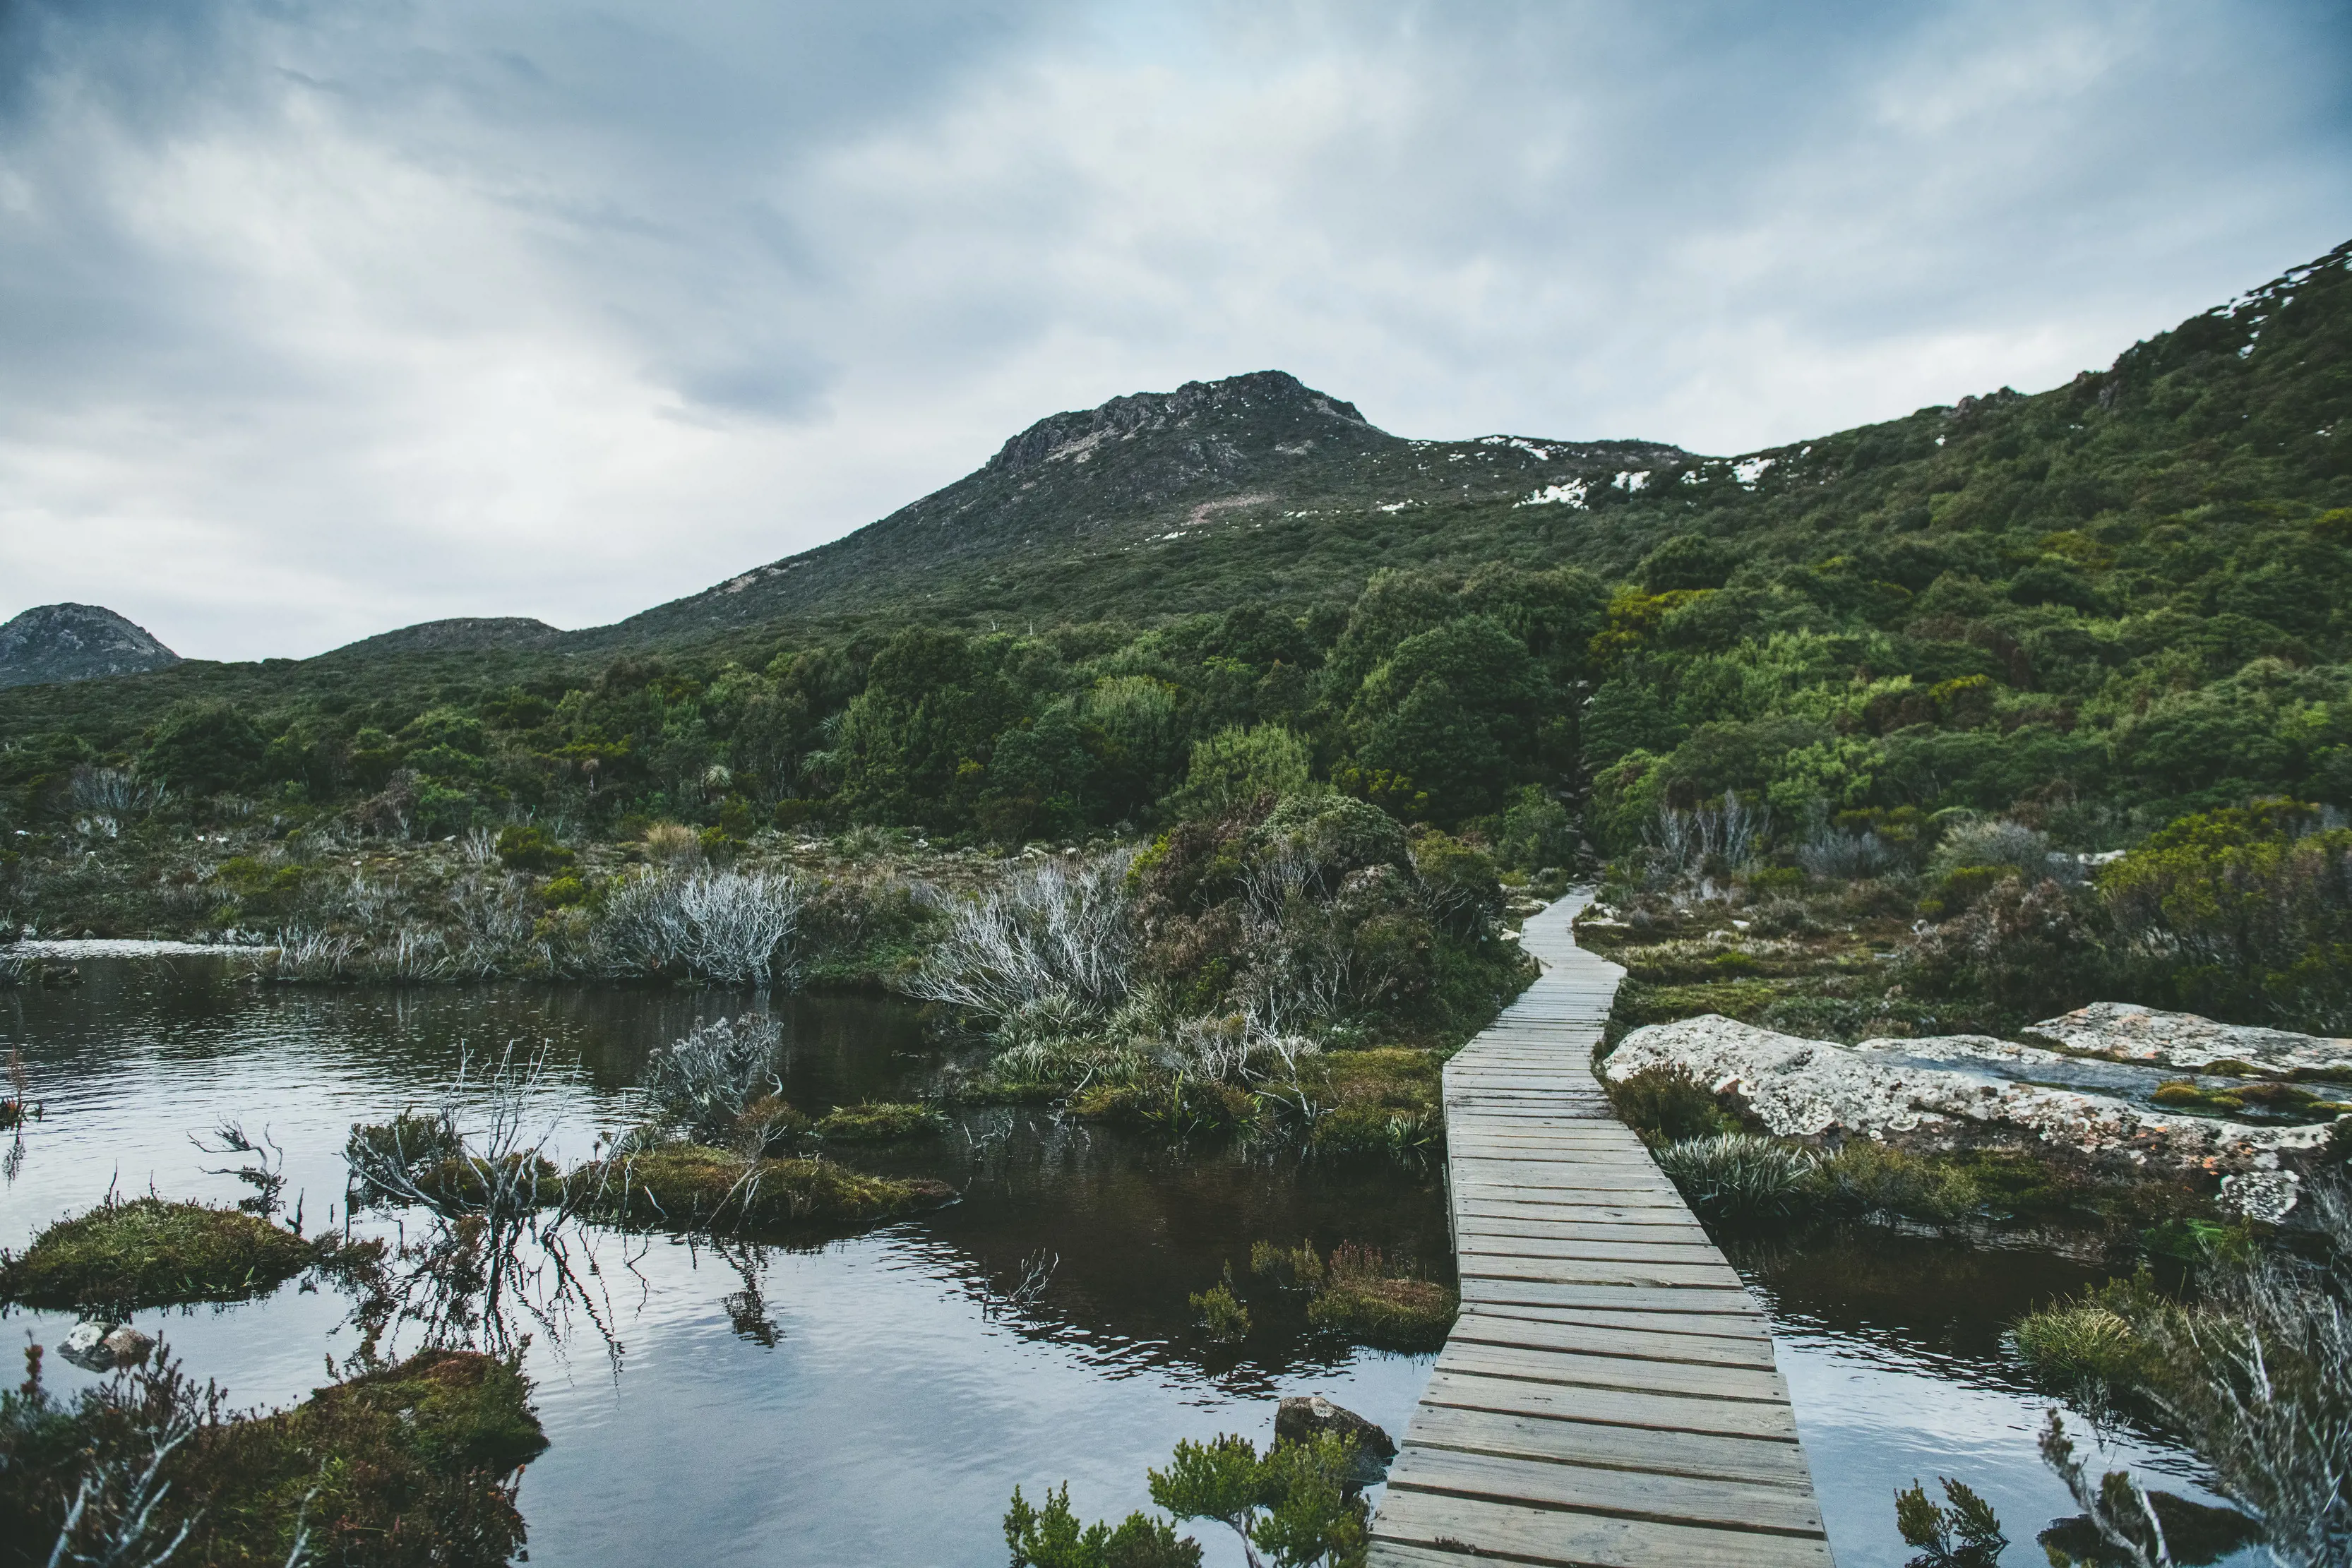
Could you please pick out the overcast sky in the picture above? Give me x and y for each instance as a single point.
(321, 318)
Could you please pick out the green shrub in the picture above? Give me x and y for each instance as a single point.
(524, 848)
(146, 1251)
(1221, 1312)
(401, 1466)
(1666, 1102)
(1236, 766)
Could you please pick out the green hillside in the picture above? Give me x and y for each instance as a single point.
(2101, 606)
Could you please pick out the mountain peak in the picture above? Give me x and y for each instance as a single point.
(1255, 398)
(74, 643)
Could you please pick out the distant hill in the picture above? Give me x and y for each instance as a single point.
(1096, 513)
(458, 634)
(73, 642)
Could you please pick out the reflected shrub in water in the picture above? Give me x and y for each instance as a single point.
(400, 1467)
(1739, 1175)
(147, 1251)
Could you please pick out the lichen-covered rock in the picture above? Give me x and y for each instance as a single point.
(1817, 1089)
(2120, 1031)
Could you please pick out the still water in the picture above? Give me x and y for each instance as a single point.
(873, 1398)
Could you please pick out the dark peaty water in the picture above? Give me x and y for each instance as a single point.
(873, 1398)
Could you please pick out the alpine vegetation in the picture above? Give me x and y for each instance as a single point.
(733, 927)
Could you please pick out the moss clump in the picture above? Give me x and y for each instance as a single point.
(1179, 1106)
(402, 1466)
(2263, 1099)
(147, 1252)
(1375, 1303)
(879, 1121)
(692, 1187)
(1387, 1100)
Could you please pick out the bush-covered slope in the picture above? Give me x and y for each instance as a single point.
(2100, 607)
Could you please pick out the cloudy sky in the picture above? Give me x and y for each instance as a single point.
(321, 318)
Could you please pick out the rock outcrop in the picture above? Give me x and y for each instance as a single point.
(1967, 1089)
(1302, 1419)
(75, 643)
(2119, 1031)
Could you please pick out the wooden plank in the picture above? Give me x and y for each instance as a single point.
(1656, 1412)
(1689, 1298)
(1571, 1369)
(1717, 1274)
(1725, 1326)
(1471, 1243)
(1687, 1499)
(1552, 1536)
(1763, 1461)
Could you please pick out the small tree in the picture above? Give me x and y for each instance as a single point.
(1235, 766)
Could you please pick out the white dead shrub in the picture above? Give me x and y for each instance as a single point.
(734, 927)
(1053, 932)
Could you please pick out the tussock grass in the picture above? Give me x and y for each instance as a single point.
(1739, 1175)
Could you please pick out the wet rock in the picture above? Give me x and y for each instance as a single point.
(128, 1346)
(2119, 1032)
(1302, 1419)
(97, 1345)
(1930, 1091)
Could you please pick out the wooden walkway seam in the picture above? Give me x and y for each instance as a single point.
(1608, 1397)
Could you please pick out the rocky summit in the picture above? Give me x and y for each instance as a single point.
(1101, 507)
(75, 643)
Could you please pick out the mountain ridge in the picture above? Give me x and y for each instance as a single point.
(69, 641)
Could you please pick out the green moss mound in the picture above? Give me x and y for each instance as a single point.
(402, 1466)
(148, 1252)
(691, 1187)
(1365, 1299)
(880, 1121)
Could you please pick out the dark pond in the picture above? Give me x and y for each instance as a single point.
(873, 1398)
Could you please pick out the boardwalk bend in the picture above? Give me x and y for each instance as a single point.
(1608, 1397)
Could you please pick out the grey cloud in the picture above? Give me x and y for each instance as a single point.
(323, 317)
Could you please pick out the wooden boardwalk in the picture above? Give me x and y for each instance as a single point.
(1608, 1398)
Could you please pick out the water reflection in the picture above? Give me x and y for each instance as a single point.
(872, 1397)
